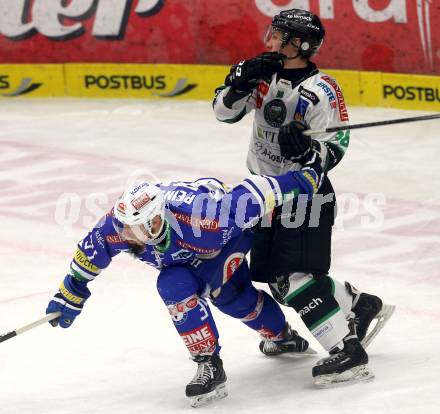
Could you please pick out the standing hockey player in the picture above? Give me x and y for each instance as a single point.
(290, 94)
(197, 234)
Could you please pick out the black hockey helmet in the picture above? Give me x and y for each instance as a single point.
(302, 24)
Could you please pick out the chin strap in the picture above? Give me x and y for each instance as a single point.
(162, 235)
(293, 57)
(295, 46)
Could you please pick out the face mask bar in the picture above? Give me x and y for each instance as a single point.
(269, 32)
(139, 233)
(284, 37)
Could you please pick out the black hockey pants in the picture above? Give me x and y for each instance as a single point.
(279, 251)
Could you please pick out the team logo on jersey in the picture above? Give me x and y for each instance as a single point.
(275, 113)
(232, 263)
(301, 109)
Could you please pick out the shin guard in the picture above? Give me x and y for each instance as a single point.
(312, 296)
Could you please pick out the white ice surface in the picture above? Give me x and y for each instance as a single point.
(123, 355)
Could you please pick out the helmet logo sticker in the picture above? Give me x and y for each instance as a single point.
(275, 113)
(140, 201)
(121, 207)
(299, 16)
(137, 188)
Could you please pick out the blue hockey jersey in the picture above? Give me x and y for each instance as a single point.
(202, 216)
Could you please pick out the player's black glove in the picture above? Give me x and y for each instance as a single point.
(245, 76)
(293, 143)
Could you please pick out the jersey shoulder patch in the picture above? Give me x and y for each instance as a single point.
(334, 94)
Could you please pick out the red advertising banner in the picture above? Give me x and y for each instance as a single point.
(378, 35)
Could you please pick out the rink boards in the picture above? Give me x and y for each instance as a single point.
(198, 82)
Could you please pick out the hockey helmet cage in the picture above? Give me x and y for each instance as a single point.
(302, 24)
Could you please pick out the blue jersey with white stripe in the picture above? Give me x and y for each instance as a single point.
(202, 216)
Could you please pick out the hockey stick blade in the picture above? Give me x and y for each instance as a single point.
(7, 336)
(49, 317)
(371, 124)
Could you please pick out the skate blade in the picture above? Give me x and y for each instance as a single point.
(357, 374)
(278, 352)
(382, 318)
(217, 394)
(308, 352)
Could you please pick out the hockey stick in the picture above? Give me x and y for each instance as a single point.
(49, 317)
(371, 124)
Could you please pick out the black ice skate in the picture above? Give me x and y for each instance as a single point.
(368, 308)
(291, 343)
(209, 382)
(346, 365)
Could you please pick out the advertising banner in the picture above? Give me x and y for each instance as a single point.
(198, 82)
(143, 81)
(400, 91)
(31, 81)
(401, 36)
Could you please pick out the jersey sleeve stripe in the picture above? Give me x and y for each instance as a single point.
(78, 271)
(265, 189)
(255, 192)
(276, 189)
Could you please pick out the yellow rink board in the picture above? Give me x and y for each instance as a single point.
(32, 81)
(198, 82)
(143, 81)
(401, 90)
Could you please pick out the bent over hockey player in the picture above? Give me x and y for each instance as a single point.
(197, 235)
(289, 94)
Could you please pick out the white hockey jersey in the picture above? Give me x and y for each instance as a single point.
(317, 100)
